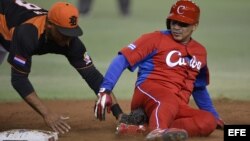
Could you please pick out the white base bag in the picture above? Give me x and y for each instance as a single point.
(28, 135)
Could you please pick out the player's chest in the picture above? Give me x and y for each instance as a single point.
(173, 57)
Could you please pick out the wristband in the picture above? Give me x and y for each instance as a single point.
(116, 110)
(104, 90)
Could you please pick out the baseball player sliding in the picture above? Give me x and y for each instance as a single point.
(172, 66)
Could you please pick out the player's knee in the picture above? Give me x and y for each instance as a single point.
(208, 125)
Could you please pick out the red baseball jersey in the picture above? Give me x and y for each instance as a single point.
(171, 64)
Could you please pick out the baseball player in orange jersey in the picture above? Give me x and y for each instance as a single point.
(27, 30)
(172, 66)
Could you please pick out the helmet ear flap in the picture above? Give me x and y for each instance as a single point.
(168, 23)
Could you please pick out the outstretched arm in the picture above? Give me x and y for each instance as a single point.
(21, 50)
(94, 79)
(118, 65)
(23, 86)
(82, 62)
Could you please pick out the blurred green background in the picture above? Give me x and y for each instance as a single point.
(224, 30)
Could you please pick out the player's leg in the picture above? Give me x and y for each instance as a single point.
(195, 122)
(161, 119)
(161, 107)
(124, 6)
(125, 127)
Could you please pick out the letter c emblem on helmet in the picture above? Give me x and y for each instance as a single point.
(180, 9)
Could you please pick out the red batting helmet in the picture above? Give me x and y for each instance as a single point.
(184, 11)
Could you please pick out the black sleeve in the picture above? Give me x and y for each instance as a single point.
(78, 55)
(82, 62)
(92, 76)
(21, 83)
(24, 42)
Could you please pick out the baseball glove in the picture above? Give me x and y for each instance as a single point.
(136, 117)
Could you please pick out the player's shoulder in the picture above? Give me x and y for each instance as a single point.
(152, 35)
(198, 45)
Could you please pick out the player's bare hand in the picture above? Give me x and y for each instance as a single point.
(57, 123)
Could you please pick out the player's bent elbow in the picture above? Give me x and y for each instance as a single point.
(22, 86)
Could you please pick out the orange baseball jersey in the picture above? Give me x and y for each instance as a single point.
(22, 33)
(17, 12)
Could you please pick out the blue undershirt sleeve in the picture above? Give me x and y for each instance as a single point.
(201, 95)
(203, 100)
(117, 66)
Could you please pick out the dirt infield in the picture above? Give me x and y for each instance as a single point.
(86, 128)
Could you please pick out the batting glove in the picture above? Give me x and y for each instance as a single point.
(104, 102)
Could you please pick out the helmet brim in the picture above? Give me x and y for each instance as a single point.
(182, 19)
